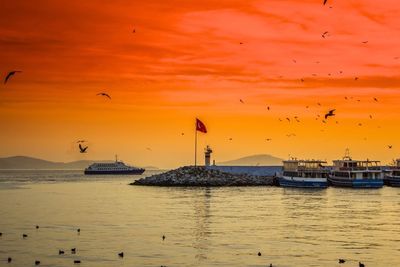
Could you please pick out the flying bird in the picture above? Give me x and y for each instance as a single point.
(325, 2)
(134, 31)
(104, 94)
(82, 149)
(324, 34)
(375, 99)
(241, 101)
(268, 108)
(365, 42)
(356, 78)
(330, 113)
(268, 139)
(288, 119)
(390, 146)
(10, 74)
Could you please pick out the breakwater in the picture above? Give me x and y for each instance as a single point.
(202, 176)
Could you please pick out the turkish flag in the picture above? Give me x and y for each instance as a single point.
(200, 126)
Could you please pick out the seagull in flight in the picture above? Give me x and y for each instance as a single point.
(241, 101)
(330, 113)
(10, 74)
(82, 149)
(104, 94)
(325, 2)
(390, 146)
(375, 99)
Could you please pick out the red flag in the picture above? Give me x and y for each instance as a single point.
(200, 126)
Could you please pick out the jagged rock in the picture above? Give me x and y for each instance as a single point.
(201, 176)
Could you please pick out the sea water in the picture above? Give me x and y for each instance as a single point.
(203, 226)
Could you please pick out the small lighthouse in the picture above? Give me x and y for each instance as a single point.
(207, 155)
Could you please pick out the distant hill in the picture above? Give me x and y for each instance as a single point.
(29, 163)
(254, 160)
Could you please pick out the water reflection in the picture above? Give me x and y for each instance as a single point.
(202, 230)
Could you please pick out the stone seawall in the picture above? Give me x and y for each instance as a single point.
(201, 176)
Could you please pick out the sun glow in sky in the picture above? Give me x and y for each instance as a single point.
(190, 59)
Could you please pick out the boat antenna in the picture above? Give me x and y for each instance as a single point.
(347, 154)
(116, 158)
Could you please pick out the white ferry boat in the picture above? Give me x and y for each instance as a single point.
(117, 167)
(304, 174)
(356, 173)
(392, 177)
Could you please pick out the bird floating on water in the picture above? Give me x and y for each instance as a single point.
(37, 262)
(24, 235)
(361, 264)
(163, 237)
(259, 253)
(60, 252)
(73, 250)
(342, 261)
(121, 254)
(9, 259)
(77, 261)
(10, 74)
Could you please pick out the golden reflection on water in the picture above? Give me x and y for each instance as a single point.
(203, 226)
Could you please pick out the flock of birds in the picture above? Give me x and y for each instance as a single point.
(328, 114)
(121, 254)
(62, 252)
(83, 148)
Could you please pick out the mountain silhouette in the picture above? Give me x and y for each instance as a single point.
(254, 160)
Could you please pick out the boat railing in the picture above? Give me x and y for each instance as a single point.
(373, 168)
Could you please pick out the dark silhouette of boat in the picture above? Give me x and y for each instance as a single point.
(117, 167)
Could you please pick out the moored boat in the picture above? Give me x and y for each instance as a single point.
(392, 176)
(356, 173)
(304, 174)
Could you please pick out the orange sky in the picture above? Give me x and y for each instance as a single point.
(186, 60)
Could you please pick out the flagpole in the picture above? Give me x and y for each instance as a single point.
(195, 146)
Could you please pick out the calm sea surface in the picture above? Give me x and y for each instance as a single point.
(203, 226)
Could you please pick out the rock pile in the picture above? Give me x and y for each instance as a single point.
(201, 176)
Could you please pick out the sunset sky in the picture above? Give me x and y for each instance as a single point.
(189, 59)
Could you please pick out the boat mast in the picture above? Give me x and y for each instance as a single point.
(116, 158)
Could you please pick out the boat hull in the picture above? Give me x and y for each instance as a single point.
(356, 183)
(393, 181)
(302, 183)
(125, 172)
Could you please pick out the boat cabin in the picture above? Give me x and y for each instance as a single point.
(305, 168)
(357, 169)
